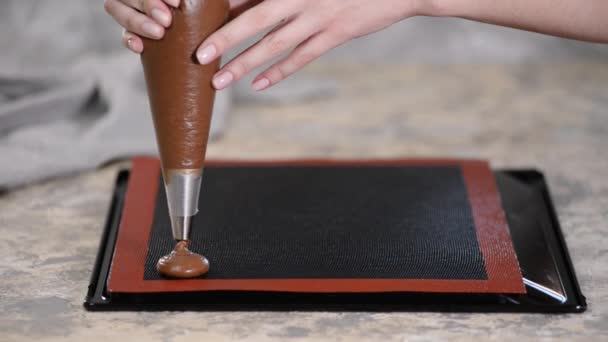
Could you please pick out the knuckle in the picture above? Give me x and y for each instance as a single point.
(131, 22)
(279, 73)
(221, 40)
(342, 33)
(239, 68)
(302, 58)
(147, 5)
(260, 18)
(275, 43)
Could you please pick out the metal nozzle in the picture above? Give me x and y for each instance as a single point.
(180, 226)
(183, 188)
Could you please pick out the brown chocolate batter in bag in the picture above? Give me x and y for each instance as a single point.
(180, 90)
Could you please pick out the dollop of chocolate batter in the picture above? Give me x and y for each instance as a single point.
(182, 263)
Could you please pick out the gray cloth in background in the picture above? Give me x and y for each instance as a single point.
(96, 111)
(71, 98)
(56, 124)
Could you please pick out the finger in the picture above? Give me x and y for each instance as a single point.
(132, 42)
(156, 9)
(133, 20)
(272, 45)
(301, 56)
(250, 23)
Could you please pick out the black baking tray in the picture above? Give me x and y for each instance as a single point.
(548, 273)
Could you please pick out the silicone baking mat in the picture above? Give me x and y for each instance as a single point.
(433, 226)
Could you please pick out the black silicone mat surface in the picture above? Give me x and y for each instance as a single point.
(329, 224)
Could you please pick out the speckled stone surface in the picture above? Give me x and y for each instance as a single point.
(550, 117)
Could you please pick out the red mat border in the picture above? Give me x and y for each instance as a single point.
(502, 267)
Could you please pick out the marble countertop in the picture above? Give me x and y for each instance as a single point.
(550, 117)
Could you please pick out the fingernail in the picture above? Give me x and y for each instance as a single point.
(207, 54)
(223, 80)
(173, 3)
(261, 84)
(130, 43)
(152, 29)
(160, 16)
(134, 45)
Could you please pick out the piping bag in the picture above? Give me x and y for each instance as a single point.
(181, 100)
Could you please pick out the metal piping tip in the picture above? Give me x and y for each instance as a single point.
(182, 187)
(180, 226)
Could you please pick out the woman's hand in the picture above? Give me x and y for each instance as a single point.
(312, 27)
(146, 18)
(309, 27)
(149, 18)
